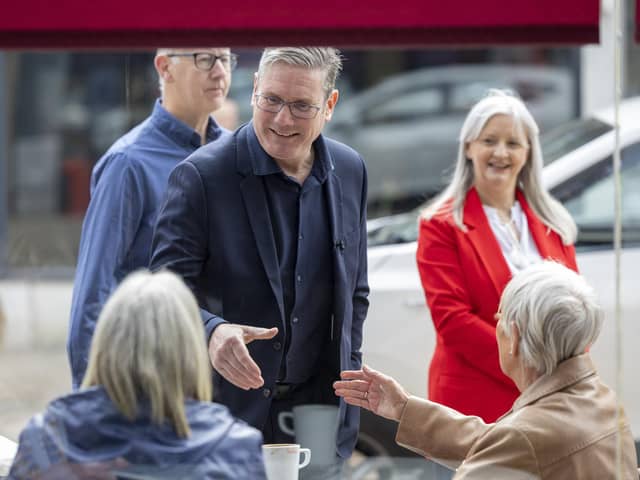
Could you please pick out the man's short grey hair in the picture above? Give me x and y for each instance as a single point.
(149, 345)
(313, 58)
(556, 312)
(547, 209)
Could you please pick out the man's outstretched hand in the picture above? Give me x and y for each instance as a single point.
(230, 357)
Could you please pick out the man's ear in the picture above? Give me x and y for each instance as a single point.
(255, 88)
(162, 64)
(330, 104)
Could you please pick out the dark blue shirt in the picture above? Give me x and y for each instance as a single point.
(302, 234)
(127, 187)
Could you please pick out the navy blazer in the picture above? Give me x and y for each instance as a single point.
(214, 230)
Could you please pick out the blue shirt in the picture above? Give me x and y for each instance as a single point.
(302, 234)
(127, 187)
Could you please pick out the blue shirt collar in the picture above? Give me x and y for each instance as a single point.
(263, 164)
(180, 131)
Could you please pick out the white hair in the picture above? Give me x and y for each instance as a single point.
(549, 210)
(149, 344)
(320, 58)
(556, 312)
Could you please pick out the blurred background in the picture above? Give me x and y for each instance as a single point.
(400, 108)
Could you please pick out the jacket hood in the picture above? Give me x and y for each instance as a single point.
(86, 427)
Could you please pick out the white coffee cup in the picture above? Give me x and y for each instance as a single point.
(314, 426)
(282, 460)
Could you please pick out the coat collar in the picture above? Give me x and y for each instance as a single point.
(258, 162)
(486, 244)
(484, 241)
(566, 374)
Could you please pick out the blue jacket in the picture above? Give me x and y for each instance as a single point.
(127, 187)
(84, 427)
(215, 231)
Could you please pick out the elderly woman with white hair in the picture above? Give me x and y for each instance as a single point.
(494, 219)
(144, 407)
(564, 425)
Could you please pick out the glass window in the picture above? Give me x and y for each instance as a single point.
(66, 111)
(589, 198)
(465, 95)
(570, 136)
(407, 106)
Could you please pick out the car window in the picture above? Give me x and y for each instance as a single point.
(464, 95)
(569, 136)
(589, 198)
(400, 229)
(406, 107)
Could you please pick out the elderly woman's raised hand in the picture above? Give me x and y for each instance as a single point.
(372, 390)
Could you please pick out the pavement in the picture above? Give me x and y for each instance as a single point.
(29, 380)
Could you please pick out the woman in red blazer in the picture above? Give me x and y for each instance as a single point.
(493, 219)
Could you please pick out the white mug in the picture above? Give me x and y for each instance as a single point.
(282, 460)
(314, 426)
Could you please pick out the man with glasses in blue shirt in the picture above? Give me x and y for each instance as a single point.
(268, 228)
(129, 181)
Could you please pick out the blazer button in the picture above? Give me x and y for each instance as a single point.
(266, 392)
(277, 346)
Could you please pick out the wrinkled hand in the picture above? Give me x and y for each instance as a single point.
(230, 357)
(372, 390)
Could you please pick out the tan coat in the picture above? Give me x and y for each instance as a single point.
(562, 427)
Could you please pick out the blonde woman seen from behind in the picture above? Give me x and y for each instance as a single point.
(144, 405)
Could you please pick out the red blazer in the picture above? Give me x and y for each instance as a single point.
(463, 275)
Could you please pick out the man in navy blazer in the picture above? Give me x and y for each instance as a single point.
(268, 228)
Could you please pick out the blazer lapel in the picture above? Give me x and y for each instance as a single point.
(484, 242)
(334, 200)
(255, 201)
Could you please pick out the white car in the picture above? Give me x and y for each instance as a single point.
(399, 336)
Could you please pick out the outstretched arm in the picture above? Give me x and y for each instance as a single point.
(426, 427)
(180, 244)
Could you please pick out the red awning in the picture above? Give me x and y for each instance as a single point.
(638, 21)
(153, 23)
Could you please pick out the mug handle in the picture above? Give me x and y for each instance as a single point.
(307, 457)
(283, 418)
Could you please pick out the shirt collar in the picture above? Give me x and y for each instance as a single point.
(180, 131)
(264, 164)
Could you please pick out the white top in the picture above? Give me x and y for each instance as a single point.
(515, 240)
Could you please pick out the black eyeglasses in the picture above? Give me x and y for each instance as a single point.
(205, 61)
(272, 104)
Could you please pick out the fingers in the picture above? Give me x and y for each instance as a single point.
(231, 359)
(371, 373)
(230, 356)
(355, 385)
(353, 375)
(358, 402)
(256, 333)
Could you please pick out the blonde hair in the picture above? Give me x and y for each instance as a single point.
(149, 345)
(547, 209)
